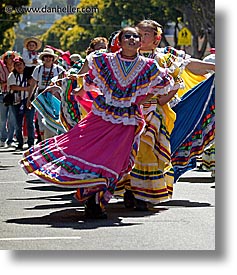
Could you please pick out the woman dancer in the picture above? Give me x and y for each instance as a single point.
(151, 180)
(101, 148)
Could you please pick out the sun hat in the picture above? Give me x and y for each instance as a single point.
(47, 51)
(33, 39)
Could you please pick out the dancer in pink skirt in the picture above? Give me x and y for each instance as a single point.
(95, 154)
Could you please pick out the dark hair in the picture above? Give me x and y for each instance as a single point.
(31, 41)
(122, 31)
(25, 76)
(94, 42)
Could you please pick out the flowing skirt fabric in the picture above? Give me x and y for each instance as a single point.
(92, 156)
(194, 128)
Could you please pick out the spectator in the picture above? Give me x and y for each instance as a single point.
(7, 121)
(41, 78)
(19, 86)
(30, 54)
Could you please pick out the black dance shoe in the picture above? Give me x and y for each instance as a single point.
(140, 205)
(93, 210)
(128, 199)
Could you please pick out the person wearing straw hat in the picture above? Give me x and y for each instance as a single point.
(48, 52)
(30, 54)
(41, 78)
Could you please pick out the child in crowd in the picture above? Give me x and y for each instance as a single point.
(30, 54)
(98, 43)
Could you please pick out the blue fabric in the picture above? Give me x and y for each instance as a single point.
(49, 107)
(188, 112)
(179, 171)
(194, 106)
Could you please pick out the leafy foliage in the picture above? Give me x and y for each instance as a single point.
(54, 35)
(65, 34)
(74, 32)
(9, 17)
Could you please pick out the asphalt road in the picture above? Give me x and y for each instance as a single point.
(39, 216)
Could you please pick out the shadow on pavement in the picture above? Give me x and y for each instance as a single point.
(65, 212)
(74, 219)
(57, 198)
(185, 203)
(6, 167)
(60, 197)
(49, 188)
(197, 179)
(7, 150)
(34, 181)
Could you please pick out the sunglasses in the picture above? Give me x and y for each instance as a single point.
(128, 36)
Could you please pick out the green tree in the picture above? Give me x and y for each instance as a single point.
(88, 20)
(65, 34)
(73, 32)
(198, 16)
(10, 16)
(75, 40)
(110, 15)
(54, 34)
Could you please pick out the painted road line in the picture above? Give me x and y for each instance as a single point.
(40, 238)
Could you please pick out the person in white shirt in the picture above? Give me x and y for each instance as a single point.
(41, 78)
(18, 84)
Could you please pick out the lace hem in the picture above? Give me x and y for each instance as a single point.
(117, 120)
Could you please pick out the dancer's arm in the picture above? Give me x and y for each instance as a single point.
(200, 67)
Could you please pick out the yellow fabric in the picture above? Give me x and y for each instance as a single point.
(84, 113)
(155, 186)
(190, 81)
(167, 61)
(151, 178)
(170, 117)
(80, 81)
(80, 84)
